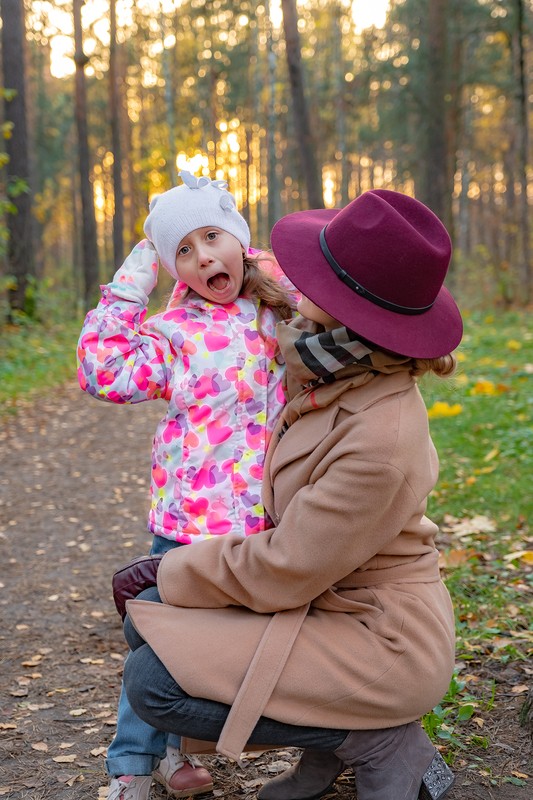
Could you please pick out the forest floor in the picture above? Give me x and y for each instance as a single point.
(73, 501)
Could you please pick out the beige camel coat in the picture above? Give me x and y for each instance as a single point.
(336, 617)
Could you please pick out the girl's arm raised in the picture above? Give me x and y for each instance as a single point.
(118, 360)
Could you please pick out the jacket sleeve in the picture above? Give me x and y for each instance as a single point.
(121, 358)
(327, 531)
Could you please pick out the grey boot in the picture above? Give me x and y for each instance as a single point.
(309, 779)
(395, 764)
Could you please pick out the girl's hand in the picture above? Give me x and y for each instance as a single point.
(138, 275)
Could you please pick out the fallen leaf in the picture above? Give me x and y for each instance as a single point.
(7, 726)
(99, 751)
(42, 747)
(77, 712)
(65, 759)
(34, 661)
(523, 555)
(69, 780)
(520, 688)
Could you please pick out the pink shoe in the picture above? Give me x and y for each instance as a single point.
(182, 775)
(130, 787)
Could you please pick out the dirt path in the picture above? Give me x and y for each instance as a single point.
(73, 502)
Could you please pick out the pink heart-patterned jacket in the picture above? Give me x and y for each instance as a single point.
(222, 382)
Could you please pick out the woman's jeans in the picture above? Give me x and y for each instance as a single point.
(138, 747)
(162, 703)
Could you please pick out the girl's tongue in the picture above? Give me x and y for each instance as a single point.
(218, 282)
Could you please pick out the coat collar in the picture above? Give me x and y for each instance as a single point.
(314, 428)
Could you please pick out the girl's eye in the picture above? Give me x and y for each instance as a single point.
(184, 250)
(212, 235)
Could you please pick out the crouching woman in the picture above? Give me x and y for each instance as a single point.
(332, 631)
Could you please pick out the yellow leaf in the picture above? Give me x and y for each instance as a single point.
(7, 726)
(519, 774)
(512, 344)
(442, 409)
(493, 453)
(523, 555)
(484, 387)
(479, 722)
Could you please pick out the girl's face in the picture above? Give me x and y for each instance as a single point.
(309, 310)
(209, 261)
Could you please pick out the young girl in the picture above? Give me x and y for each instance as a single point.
(213, 356)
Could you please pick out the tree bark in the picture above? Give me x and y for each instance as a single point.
(20, 253)
(306, 149)
(116, 100)
(89, 243)
(436, 189)
(519, 59)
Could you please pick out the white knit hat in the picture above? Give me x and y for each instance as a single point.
(197, 203)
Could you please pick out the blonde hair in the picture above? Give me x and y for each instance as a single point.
(259, 284)
(443, 367)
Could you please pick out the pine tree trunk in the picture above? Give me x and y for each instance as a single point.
(89, 244)
(519, 58)
(436, 189)
(20, 254)
(306, 145)
(115, 101)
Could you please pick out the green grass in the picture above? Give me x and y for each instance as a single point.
(481, 424)
(35, 358)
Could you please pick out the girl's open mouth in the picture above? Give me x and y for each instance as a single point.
(218, 282)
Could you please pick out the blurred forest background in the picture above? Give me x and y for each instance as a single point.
(296, 103)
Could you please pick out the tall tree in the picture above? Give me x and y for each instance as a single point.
(20, 253)
(310, 170)
(520, 70)
(116, 101)
(88, 230)
(436, 188)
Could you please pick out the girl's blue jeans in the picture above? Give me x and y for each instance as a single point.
(137, 747)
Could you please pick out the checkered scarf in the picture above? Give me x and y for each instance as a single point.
(322, 365)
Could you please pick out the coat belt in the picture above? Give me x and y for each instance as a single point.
(260, 679)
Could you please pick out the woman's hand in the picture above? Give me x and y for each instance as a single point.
(138, 274)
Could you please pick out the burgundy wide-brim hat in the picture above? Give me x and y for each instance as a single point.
(378, 267)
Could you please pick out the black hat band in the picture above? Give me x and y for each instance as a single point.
(360, 290)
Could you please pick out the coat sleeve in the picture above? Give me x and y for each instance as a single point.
(121, 358)
(328, 530)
